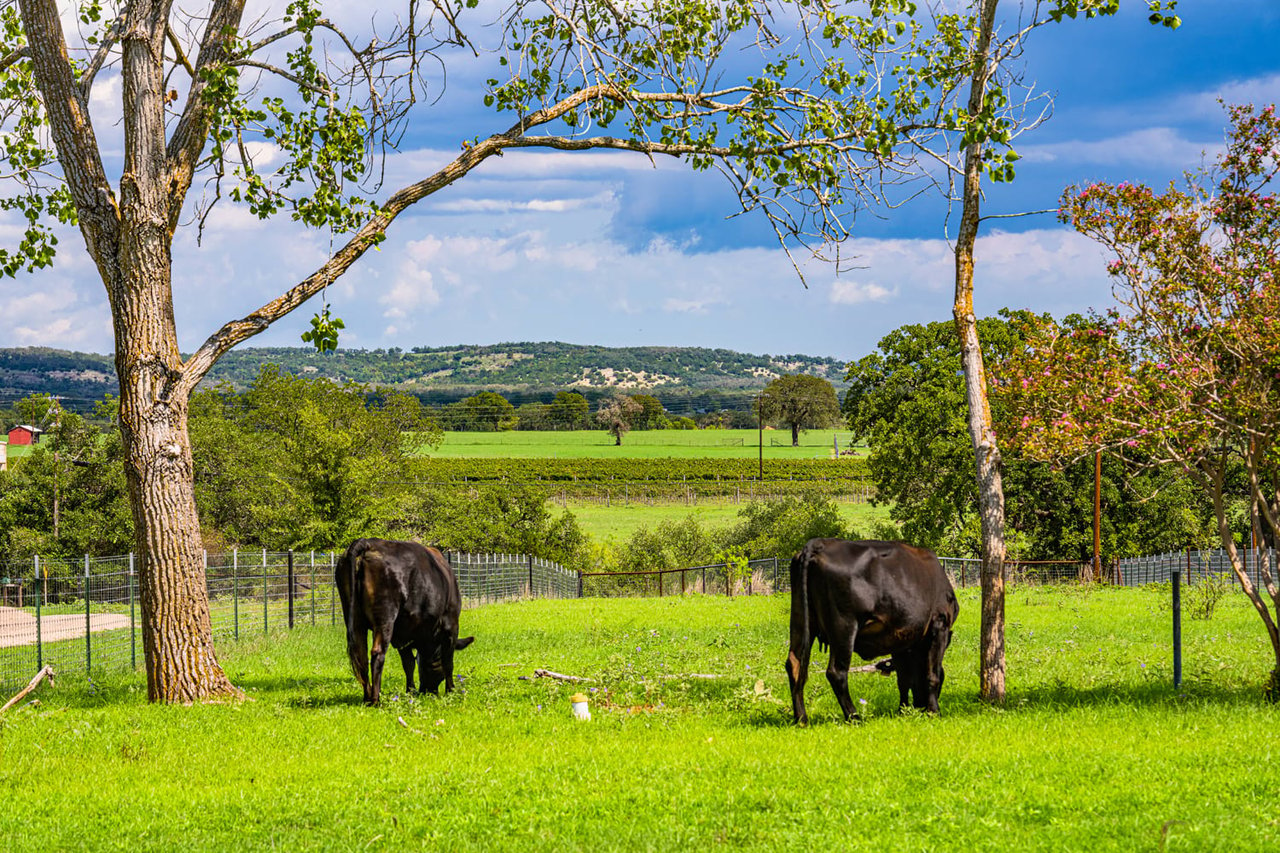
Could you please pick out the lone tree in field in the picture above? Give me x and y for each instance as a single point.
(615, 416)
(803, 140)
(1186, 370)
(800, 402)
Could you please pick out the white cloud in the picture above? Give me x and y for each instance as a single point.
(1145, 147)
(688, 306)
(845, 292)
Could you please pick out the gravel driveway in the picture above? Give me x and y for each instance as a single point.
(18, 628)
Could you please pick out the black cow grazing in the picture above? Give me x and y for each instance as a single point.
(407, 596)
(873, 598)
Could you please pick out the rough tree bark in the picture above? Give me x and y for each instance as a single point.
(986, 450)
(130, 240)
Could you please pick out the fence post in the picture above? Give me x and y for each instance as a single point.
(313, 587)
(531, 576)
(235, 589)
(775, 574)
(39, 619)
(579, 584)
(88, 644)
(264, 590)
(290, 589)
(333, 595)
(133, 623)
(1177, 629)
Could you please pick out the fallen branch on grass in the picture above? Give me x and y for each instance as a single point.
(546, 673)
(884, 667)
(46, 672)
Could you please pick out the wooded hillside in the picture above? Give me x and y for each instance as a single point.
(521, 371)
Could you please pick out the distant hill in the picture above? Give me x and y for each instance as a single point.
(520, 371)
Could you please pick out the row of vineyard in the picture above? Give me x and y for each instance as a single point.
(535, 470)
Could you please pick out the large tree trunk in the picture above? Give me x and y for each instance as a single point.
(986, 450)
(176, 633)
(177, 637)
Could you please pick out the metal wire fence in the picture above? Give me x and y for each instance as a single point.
(84, 616)
(1195, 567)
(761, 576)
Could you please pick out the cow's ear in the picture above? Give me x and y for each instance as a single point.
(463, 643)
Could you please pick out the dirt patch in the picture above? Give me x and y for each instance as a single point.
(18, 627)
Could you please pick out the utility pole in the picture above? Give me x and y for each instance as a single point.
(760, 425)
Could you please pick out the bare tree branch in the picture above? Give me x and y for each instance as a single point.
(189, 137)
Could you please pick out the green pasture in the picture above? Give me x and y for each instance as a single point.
(1094, 750)
(17, 451)
(640, 444)
(618, 520)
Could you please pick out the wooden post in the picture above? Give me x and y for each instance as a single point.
(290, 588)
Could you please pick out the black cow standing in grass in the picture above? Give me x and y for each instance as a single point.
(407, 595)
(873, 598)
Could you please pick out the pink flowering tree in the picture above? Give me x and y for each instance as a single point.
(1187, 368)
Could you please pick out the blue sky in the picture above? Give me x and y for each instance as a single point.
(607, 249)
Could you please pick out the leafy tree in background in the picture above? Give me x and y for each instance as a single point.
(68, 497)
(907, 402)
(507, 518)
(486, 412)
(568, 410)
(1184, 372)
(651, 415)
(800, 402)
(303, 463)
(615, 416)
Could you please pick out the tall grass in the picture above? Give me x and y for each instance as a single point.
(1094, 750)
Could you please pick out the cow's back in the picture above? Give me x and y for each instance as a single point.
(892, 591)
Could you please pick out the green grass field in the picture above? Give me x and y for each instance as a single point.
(1094, 751)
(647, 444)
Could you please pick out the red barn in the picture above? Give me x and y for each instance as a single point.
(23, 434)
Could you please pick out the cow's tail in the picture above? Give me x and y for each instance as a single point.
(801, 636)
(354, 559)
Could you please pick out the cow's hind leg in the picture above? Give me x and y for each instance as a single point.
(838, 674)
(797, 674)
(408, 660)
(381, 642)
(904, 666)
(931, 673)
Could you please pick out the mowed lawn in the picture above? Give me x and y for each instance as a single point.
(1094, 750)
(641, 444)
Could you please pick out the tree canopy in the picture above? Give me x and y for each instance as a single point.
(1184, 371)
(800, 401)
